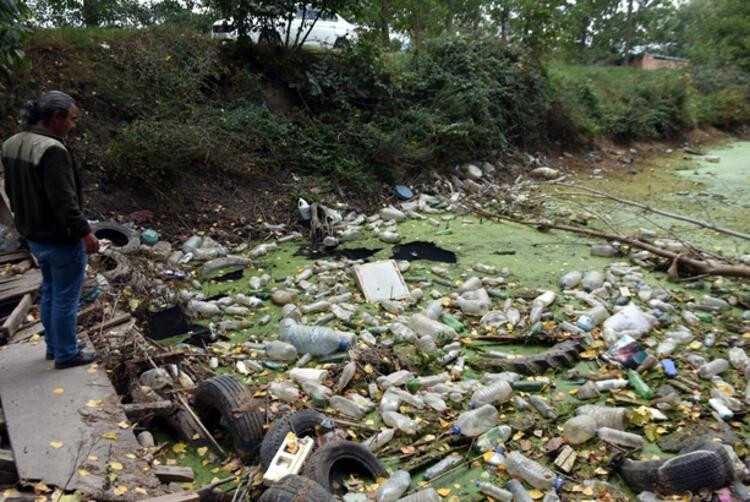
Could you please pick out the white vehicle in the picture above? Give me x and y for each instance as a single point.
(330, 30)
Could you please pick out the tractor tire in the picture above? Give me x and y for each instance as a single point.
(302, 423)
(293, 488)
(344, 456)
(224, 399)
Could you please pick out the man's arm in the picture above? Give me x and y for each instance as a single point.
(60, 187)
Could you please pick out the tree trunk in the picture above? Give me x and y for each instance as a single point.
(504, 17)
(383, 22)
(449, 18)
(629, 37)
(90, 13)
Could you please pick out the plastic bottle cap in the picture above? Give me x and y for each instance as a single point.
(343, 345)
(456, 429)
(472, 404)
(558, 483)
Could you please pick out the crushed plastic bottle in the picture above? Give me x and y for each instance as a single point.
(346, 407)
(605, 416)
(475, 422)
(346, 375)
(538, 476)
(495, 393)
(620, 438)
(442, 466)
(571, 280)
(592, 280)
(400, 422)
(491, 439)
(579, 429)
(285, 391)
(713, 368)
(539, 304)
(315, 340)
(494, 492)
(428, 495)
(280, 351)
(394, 487)
(379, 440)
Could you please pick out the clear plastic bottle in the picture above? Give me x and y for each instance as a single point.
(394, 487)
(543, 407)
(520, 494)
(579, 429)
(423, 325)
(395, 379)
(430, 380)
(315, 340)
(539, 304)
(442, 466)
(620, 438)
(497, 392)
(434, 309)
(494, 492)
(491, 439)
(532, 472)
(713, 368)
(571, 280)
(428, 495)
(346, 375)
(605, 416)
(277, 350)
(592, 280)
(315, 390)
(346, 407)
(717, 303)
(400, 422)
(614, 383)
(475, 422)
(379, 440)
(739, 358)
(551, 497)
(718, 405)
(471, 284)
(286, 391)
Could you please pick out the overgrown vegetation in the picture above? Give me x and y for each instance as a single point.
(164, 101)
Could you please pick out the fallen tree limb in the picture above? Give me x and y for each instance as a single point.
(704, 267)
(646, 207)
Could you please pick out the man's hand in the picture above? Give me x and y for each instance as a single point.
(91, 243)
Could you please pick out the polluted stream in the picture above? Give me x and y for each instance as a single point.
(484, 266)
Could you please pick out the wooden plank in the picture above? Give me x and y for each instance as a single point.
(13, 257)
(175, 497)
(16, 317)
(20, 291)
(7, 460)
(59, 420)
(136, 411)
(28, 332)
(169, 473)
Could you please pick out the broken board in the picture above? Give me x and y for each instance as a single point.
(381, 280)
(66, 426)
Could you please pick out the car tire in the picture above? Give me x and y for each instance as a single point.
(115, 267)
(641, 476)
(124, 240)
(224, 398)
(328, 459)
(342, 43)
(696, 470)
(302, 423)
(293, 488)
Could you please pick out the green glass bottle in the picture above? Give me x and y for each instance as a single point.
(451, 321)
(641, 388)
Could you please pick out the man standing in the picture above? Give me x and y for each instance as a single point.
(44, 189)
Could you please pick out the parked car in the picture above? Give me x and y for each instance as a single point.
(330, 30)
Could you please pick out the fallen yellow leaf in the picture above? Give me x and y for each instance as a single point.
(56, 444)
(588, 491)
(536, 494)
(93, 403)
(140, 490)
(83, 473)
(115, 466)
(444, 492)
(123, 425)
(179, 448)
(58, 391)
(111, 435)
(120, 490)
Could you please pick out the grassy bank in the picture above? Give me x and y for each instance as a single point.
(163, 102)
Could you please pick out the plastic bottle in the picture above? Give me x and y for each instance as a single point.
(520, 494)
(394, 487)
(395, 379)
(724, 412)
(571, 280)
(301, 374)
(434, 309)
(400, 422)
(316, 391)
(430, 380)
(475, 422)
(379, 440)
(494, 492)
(444, 465)
(346, 375)
(713, 368)
(543, 407)
(532, 472)
(471, 284)
(346, 407)
(579, 429)
(192, 244)
(451, 321)
(304, 210)
(497, 392)
(285, 391)
(428, 495)
(640, 387)
(666, 347)
(491, 439)
(315, 340)
(739, 359)
(539, 304)
(620, 438)
(605, 416)
(592, 280)
(474, 305)
(434, 401)
(717, 303)
(423, 325)
(670, 368)
(280, 351)
(604, 250)
(613, 383)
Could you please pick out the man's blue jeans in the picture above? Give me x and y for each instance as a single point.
(63, 267)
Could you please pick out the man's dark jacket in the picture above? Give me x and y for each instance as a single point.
(44, 189)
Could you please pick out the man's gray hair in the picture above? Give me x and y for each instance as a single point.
(46, 106)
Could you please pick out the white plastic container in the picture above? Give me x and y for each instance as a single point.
(285, 462)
